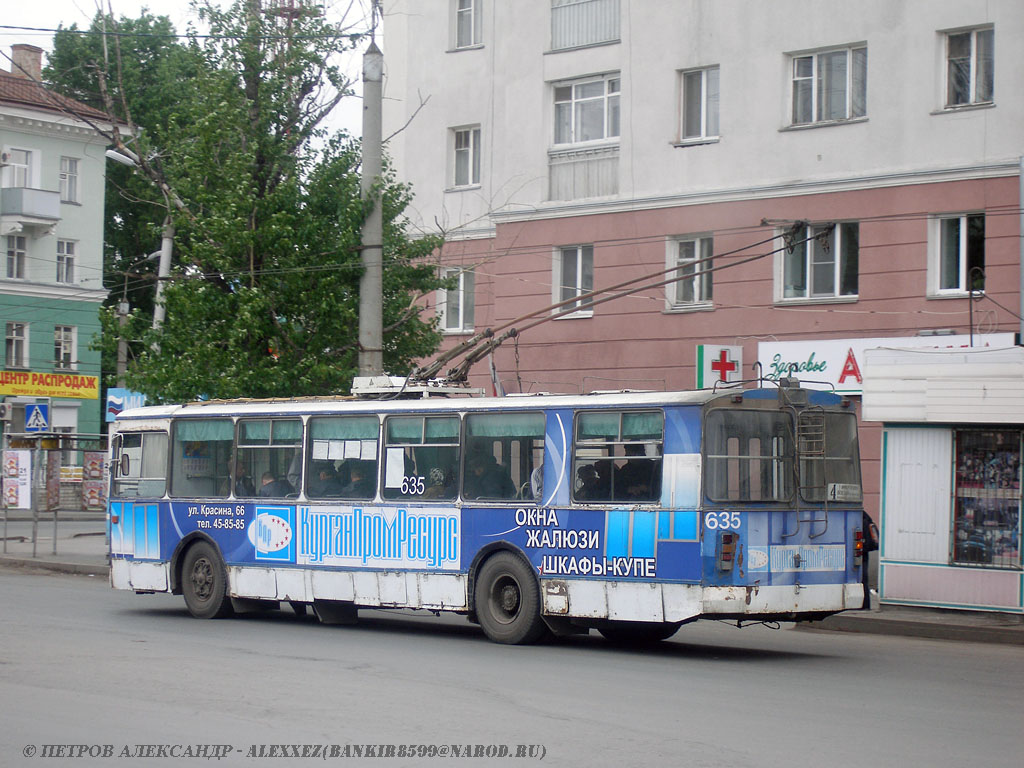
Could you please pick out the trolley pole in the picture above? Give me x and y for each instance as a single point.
(371, 292)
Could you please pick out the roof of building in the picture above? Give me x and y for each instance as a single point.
(20, 91)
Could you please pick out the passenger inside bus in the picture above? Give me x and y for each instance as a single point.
(273, 488)
(238, 479)
(485, 479)
(362, 480)
(326, 481)
(636, 479)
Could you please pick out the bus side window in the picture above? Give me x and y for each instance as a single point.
(504, 456)
(617, 456)
(200, 457)
(421, 457)
(140, 465)
(269, 454)
(342, 458)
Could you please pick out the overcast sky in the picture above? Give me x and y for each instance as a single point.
(49, 14)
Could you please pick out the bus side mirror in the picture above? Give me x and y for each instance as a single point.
(125, 463)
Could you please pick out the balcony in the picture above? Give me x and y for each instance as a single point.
(32, 211)
(582, 173)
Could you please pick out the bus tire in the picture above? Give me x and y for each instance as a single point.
(637, 632)
(204, 582)
(507, 600)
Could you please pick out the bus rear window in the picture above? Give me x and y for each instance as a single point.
(748, 455)
(829, 457)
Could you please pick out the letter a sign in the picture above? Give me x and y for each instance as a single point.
(37, 418)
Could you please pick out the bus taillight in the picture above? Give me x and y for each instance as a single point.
(727, 550)
(858, 546)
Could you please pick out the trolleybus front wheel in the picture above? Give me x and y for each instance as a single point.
(507, 600)
(204, 582)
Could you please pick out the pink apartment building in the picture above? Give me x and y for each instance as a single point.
(826, 177)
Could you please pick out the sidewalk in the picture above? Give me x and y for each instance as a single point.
(82, 549)
(81, 542)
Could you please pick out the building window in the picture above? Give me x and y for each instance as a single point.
(699, 118)
(692, 259)
(575, 23)
(68, 180)
(65, 261)
(456, 304)
(587, 110)
(17, 345)
(958, 264)
(830, 86)
(466, 156)
(19, 164)
(16, 256)
(574, 276)
(64, 347)
(987, 499)
(466, 23)
(970, 67)
(822, 262)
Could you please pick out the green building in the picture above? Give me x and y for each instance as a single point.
(52, 175)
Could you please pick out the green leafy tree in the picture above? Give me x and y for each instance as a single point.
(136, 74)
(263, 298)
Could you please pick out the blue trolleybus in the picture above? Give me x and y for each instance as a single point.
(629, 513)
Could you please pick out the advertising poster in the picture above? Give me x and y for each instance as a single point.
(52, 480)
(17, 477)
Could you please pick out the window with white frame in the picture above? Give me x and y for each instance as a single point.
(16, 256)
(830, 85)
(64, 357)
(69, 180)
(699, 100)
(958, 254)
(19, 168)
(466, 156)
(691, 257)
(466, 23)
(587, 110)
(576, 23)
(970, 67)
(822, 261)
(456, 303)
(65, 261)
(574, 276)
(16, 347)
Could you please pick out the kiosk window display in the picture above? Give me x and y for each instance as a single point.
(987, 498)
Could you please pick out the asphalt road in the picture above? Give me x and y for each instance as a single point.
(81, 664)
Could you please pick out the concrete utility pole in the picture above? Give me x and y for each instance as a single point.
(163, 272)
(122, 343)
(371, 291)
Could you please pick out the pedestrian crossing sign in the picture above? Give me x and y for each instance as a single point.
(37, 417)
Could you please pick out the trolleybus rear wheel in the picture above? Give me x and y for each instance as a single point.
(507, 600)
(204, 582)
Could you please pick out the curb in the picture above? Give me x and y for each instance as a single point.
(876, 625)
(56, 566)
